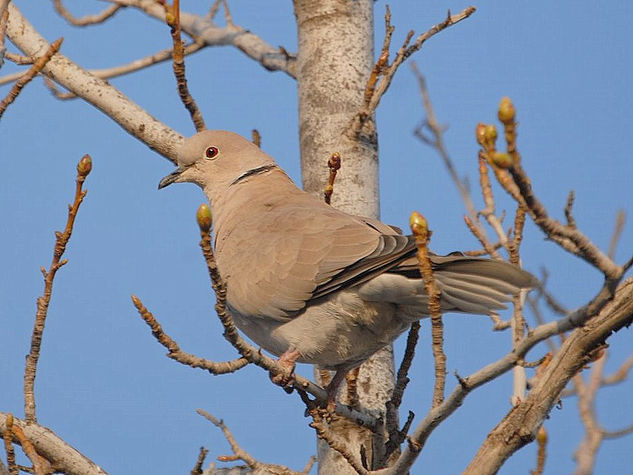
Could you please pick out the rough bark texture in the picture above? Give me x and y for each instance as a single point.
(334, 60)
(521, 424)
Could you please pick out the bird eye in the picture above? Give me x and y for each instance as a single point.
(211, 152)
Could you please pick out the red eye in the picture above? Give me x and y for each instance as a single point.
(211, 152)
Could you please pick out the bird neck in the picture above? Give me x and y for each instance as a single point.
(239, 201)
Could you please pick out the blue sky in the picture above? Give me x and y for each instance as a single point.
(104, 384)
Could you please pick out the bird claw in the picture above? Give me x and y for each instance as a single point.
(286, 377)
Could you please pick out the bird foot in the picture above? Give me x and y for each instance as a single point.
(286, 377)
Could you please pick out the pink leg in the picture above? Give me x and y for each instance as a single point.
(287, 362)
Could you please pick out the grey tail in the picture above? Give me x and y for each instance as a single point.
(473, 285)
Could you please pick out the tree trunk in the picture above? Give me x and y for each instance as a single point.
(335, 58)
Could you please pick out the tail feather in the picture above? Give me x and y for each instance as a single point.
(467, 284)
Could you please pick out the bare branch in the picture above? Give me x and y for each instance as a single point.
(95, 91)
(61, 240)
(172, 17)
(176, 354)
(396, 436)
(197, 469)
(612, 316)
(422, 234)
(437, 142)
(241, 454)
(617, 233)
(273, 59)
(375, 88)
(506, 439)
(29, 75)
(64, 458)
(88, 19)
(116, 71)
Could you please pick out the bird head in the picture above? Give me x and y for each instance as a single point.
(215, 159)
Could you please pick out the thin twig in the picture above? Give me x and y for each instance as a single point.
(172, 17)
(116, 71)
(8, 445)
(176, 354)
(541, 439)
(396, 436)
(334, 164)
(375, 87)
(420, 229)
(240, 454)
(257, 138)
(324, 433)
(436, 141)
(61, 240)
(88, 19)
(620, 309)
(29, 75)
(617, 233)
(607, 434)
(197, 468)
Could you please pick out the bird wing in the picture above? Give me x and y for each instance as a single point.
(302, 251)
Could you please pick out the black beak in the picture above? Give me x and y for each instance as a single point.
(171, 178)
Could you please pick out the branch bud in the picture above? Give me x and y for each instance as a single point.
(480, 133)
(491, 134)
(418, 224)
(541, 436)
(84, 167)
(203, 216)
(506, 111)
(502, 160)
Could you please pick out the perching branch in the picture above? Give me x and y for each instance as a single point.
(176, 354)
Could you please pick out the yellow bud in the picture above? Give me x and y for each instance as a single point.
(541, 435)
(169, 18)
(203, 216)
(491, 133)
(84, 166)
(502, 159)
(480, 133)
(335, 161)
(506, 111)
(418, 224)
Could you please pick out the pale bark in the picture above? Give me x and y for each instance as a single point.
(93, 90)
(334, 60)
(66, 458)
(519, 427)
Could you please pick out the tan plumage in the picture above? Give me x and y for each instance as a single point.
(304, 277)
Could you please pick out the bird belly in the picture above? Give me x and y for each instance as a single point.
(340, 331)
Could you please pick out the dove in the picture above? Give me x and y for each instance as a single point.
(313, 284)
